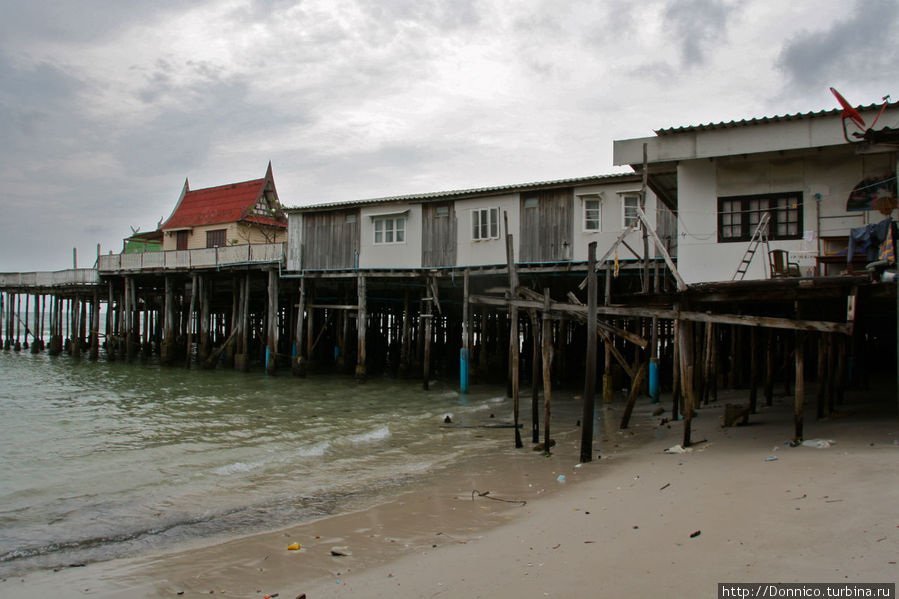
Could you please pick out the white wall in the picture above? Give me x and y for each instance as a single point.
(391, 255)
(487, 251)
(828, 174)
(611, 219)
(698, 256)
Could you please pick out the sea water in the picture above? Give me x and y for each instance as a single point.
(107, 459)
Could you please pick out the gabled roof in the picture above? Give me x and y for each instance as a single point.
(234, 202)
(436, 196)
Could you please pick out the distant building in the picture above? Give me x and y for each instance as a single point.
(151, 241)
(242, 213)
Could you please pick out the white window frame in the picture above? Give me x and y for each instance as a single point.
(484, 224)
(625, 220)
(595, 197)
(389, 230)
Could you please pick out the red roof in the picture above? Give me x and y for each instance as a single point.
(223, 204)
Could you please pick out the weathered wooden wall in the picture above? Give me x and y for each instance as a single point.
(546, 229)
(438, 234)
(330, 239)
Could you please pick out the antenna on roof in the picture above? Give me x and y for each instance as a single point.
(851, 113)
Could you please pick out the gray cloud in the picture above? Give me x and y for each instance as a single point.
(84, 21)
(696, 24)
(856, 48)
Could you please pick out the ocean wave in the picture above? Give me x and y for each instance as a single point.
(314, 450)
(236, 467)
(372, 436)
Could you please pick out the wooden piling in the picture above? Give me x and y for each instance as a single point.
(514, 332)
(167, 355)
(535, 377)
(95, 326)
(361, 324)
(687, 370)
(271, 350)
(191, 312)
(800, 387)
(590, 359)
(427, 323)
(25, 343)
(822, 375)
(299, 360)
(631, 397)
(464, 353)
(753, 369)
(204, 347)
(547, 371)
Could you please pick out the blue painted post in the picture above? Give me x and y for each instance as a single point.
(463, 370)
(654, 380)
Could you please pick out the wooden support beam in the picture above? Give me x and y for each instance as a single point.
(405, 341)
(675, 375)
(271, 349)
(611, 250)
(465, 351)
(799, 398)
(95, 326)
(299, 361)
(632, 395)
(514, 334)
(590, 360)
(167, 355)
(428, 332)
(190, 319)
(361, 326)
(681, 285)
(535, 376)
(769, 367)
(646, 227)
(547, 370)
(687, 372)
(204, 347)
(633, 312)
(753, 370)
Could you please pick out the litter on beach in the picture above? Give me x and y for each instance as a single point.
(818, 443)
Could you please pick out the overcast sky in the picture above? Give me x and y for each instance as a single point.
(106, 106)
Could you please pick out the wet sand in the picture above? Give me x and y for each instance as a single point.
(625, 525)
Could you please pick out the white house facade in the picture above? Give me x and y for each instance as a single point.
(798, 168)
(551, 223)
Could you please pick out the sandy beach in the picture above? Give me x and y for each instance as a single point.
(741, 506)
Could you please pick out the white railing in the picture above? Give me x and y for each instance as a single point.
(59, 278)
(261, 253)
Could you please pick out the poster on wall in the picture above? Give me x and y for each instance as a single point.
(870, 193)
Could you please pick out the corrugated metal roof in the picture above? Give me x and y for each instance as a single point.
(762, 120)
(457, 193)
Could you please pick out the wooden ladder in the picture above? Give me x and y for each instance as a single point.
(759, 236)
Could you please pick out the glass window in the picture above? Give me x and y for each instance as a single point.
(216, 238)
(485, 223)
(592, 214)
(629, 203)
(390, 229)
(739, 216)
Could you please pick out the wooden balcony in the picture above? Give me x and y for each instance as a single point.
(184, 260)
